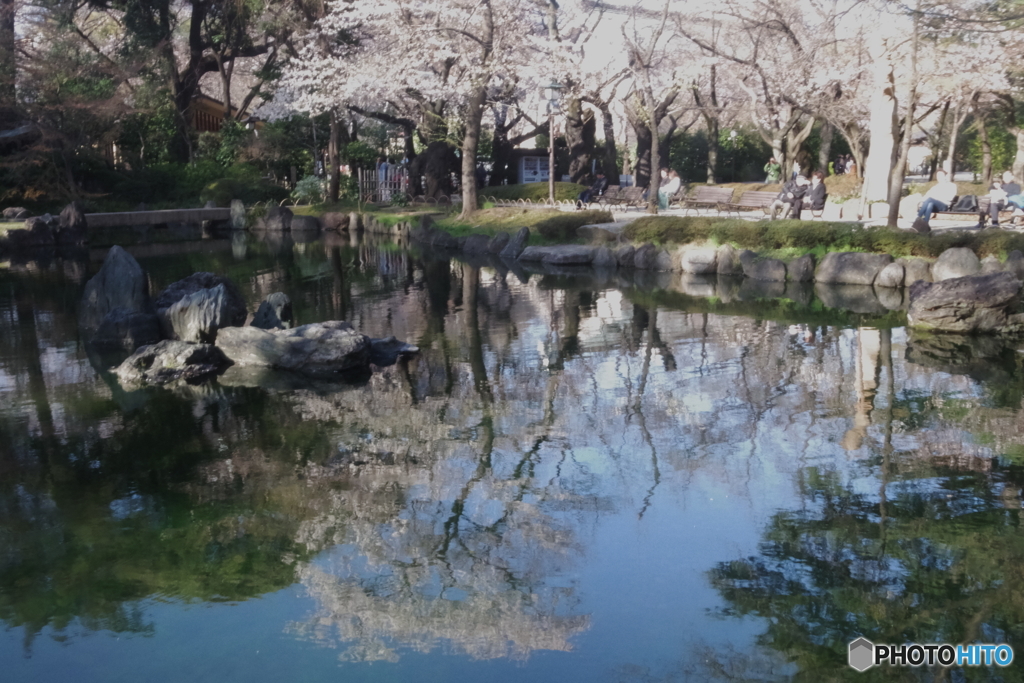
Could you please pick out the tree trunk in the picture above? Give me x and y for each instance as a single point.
(610, 164)
(434, 124)
(474, 118)
(642, 167)
(8, 62)
(713, 148)
(332, 158)
(825, 150)
(881, 156)
(580, 129)
(652, 192)
(986, 152)
(501, 148)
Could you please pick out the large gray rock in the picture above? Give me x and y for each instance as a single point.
(891, 276)
(197, 317)
(729, 261)
(663, 261)
(274, 313)
(305, 223)
(698, 260)
(335, 221)
(768, 270)
(237, 214)
(851, 268)
(168, 361)
(560, 255)
(645, 256)
(476, 244)
(278, 219)
(915, 268)
(40, 231)
(801, 269)
(122, 329)
(196, 307)
(498, 243)
(990, 264)
(318, 350)
(516, 245)
(15, 213)
(1015, 264)
(955, 263)
(624, 255)
(604, 258)
(71, 225)
(968, 305)
(120, 283)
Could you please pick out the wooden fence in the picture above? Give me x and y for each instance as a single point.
(379, 186)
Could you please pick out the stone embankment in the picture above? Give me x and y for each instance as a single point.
(955, 293)
(196, 327)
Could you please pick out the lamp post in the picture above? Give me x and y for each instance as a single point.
(551, 91)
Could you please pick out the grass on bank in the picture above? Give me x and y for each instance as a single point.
(532, 191)
(547, 226)
(789, 238)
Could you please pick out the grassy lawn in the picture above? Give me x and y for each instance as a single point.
(532, 191)
(547, 226)
(789, 238)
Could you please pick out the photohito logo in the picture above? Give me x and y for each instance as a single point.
(864, 654)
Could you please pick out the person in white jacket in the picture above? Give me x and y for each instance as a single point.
(666, 191)
(939, 198)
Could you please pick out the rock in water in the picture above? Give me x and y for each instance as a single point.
(319, 350)
(120, 283)
(71, 226)
(516, 244)
(168, 361)
(198, 316)
(386, 351)
(124, 329)
(851, 268)
(274, 313)
(955, 263)
(205, 320)
(969, 305)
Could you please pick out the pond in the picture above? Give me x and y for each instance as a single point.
(581, 477)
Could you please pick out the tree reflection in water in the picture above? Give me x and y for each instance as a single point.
(450, 503)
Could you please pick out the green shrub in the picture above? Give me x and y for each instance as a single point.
(562, 228)
(309, 190)
(533, 191)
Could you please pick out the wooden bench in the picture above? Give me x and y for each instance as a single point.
(1006, 215)
(609, 198)
(632, 197)
(706, 197)
(754, 200)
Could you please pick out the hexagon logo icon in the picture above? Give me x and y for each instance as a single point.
(862, 654)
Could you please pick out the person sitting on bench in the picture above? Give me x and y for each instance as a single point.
(790, 196)
(997, 194)
(814, 197)
(938, 198)
(596, 190)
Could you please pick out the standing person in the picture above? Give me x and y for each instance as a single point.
(481, 176)
(937, 199)
(667, 189)
(773, 172)
(851, 165)
(997, 194)
(840, 165)
(382, 179)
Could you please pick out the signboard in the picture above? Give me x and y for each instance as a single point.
(533, 169)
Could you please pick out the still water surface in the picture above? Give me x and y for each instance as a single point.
(580, 478)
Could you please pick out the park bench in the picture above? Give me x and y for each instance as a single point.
(677, 199)
(632, 197)
(609, 198)
(754, 200)
(1006, 215)
(707, 197)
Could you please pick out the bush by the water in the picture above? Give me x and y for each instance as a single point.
(548, 225)
(816, 236)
